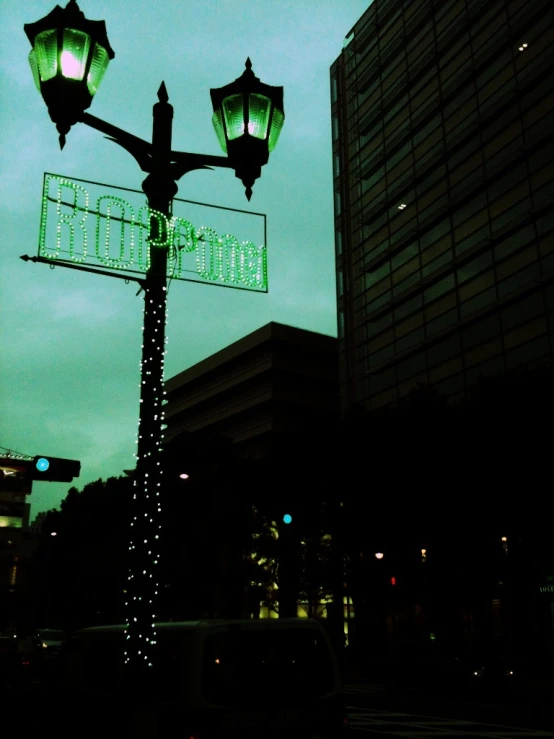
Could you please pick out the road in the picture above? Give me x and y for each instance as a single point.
(375, 712)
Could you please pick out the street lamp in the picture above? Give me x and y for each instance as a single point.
(248, 118)
(69, 57)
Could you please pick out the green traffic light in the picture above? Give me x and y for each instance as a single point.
(287, 518)
(42, 464)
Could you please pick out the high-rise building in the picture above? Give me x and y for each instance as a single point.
(443, 163)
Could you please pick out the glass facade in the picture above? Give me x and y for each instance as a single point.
(443, 160)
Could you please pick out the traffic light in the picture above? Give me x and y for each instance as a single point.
(287, 518)
(54, 469)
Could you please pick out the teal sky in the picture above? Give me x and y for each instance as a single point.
(70, 342)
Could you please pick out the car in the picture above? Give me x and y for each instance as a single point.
(48, 642)
(491, 670)
(211, 679)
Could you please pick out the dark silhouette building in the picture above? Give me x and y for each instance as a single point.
(443, 163)
(442, 114)
(16, 542)
(246, 423)
(257, 391)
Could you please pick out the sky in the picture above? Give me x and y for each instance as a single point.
(70, 342)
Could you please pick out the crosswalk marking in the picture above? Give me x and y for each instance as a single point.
(415, 726)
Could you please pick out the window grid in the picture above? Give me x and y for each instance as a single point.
(417, 149)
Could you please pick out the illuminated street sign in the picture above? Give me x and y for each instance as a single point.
(82, 223)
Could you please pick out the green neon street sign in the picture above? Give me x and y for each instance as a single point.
(83, 224)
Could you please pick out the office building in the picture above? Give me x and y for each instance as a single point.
(256, 392)
(443, 163)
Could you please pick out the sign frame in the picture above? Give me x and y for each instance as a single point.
(238, 266)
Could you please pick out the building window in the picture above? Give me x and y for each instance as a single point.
(334, 90)
(473, 268)
(338, 243)
(485, 298)
(340, 284)
(338, 207)
(482, 331)
(408, 307)
(341, 324)
(412, 339)
(335, 128)
(444, 349)
(376, 275)
(515, 314)
(446, 319)
(439, 288)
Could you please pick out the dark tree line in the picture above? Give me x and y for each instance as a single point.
(452, 479)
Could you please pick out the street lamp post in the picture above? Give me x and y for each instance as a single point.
(69, 57)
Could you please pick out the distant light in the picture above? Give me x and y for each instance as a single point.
(379, 555)
(401, 206)
(42, 464)
(424, 551)
(54, 533)
(504, 538)
(184, 476)
(287, 518)
(393, 581)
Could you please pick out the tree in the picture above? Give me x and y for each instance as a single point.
(78, 575)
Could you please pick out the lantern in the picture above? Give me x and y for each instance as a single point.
(248, 118)
(69, 57)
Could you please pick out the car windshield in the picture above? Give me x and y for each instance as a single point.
(266, 666)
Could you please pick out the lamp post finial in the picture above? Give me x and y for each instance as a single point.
(163, 96)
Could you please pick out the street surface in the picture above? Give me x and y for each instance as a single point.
(375, 712)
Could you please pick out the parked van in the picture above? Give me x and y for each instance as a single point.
(211, 680)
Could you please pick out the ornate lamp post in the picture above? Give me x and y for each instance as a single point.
(69, 57)
(248, 118)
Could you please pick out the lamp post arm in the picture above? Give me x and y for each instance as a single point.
(118, 134)
(200, 160)
(140, 149)
(181, 162)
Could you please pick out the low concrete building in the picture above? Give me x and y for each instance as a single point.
(257, 391)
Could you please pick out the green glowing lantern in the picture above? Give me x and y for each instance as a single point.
(69, 57)
(248, 118)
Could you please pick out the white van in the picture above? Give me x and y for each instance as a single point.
(212, 680)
